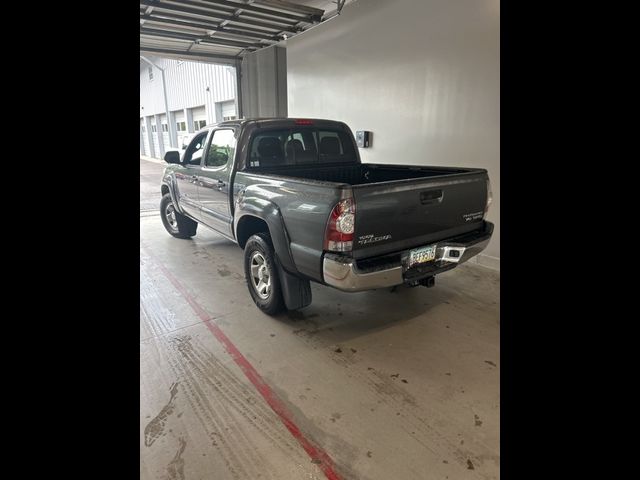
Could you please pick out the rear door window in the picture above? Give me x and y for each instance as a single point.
(300, 146)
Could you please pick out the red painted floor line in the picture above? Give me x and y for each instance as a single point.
(317, 455)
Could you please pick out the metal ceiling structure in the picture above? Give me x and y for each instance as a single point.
(222, 31)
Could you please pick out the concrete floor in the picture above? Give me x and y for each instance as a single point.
(390, 385)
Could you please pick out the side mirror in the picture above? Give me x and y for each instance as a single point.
(172, 156)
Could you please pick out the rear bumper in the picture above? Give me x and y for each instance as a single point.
(346, 274)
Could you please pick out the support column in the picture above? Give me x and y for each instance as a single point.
(147, 123)
(219, 112)
(239, 112)
(173, 130)
(188, 115)
(263, 83)
(159, 135)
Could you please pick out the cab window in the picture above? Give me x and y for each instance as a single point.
(221, 148)
(193, 154)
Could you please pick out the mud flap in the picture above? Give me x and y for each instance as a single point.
(295, 291)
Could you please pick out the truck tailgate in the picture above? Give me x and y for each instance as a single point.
(396, 215)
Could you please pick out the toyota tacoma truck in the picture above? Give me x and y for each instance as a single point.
(295, 196)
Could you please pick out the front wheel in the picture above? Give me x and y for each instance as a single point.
(262, 275)
(176, 224)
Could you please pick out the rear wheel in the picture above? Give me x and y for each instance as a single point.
(176, 224)
(262, 275)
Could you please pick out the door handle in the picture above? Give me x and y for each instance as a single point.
(194, 178)
(220, 184)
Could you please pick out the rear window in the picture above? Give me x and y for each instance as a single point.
(300, 146)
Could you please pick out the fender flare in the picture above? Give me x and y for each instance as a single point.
(169, 181)
(270, 213)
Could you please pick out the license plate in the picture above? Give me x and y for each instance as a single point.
(421, 255)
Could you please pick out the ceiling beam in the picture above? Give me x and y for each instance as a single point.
(291, 7)
(251, 8)
(209, 57)
(210, 27)
(209, 14)
(152, 32)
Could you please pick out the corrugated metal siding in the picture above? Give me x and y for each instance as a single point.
(187, 84)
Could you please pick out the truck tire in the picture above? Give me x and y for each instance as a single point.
(261, 273)
(176, 224)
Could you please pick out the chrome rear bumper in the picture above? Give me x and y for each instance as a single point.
(344, 274)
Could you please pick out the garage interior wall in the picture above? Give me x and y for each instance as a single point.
(264, 83)
(422, 75)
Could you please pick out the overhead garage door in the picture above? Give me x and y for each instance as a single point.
(229, 110)
(145, 138)
(199, 117)
(165, 132)
(181, 127)
(154, 134)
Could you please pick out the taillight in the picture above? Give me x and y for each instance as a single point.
(489, 198)
(338, 236)
(303, 121)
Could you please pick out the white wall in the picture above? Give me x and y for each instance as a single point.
(422, 75)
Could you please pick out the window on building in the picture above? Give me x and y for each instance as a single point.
(165, 128)
(154, 128)
(198, 124)
(221, 149)
(233, 117)
(181, 126)
(150, 73)
(143, 129)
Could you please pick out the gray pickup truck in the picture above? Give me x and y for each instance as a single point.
(294, 195)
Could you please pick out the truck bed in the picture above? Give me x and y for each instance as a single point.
(403, 206)
(360, 174)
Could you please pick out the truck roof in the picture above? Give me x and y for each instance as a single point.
(273, 121)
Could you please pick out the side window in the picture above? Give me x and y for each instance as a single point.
(193, 154)
(221, 149)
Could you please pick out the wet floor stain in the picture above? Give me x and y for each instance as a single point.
(224, 271)
(155, 428)
(490, 363)
(175, 469)
(470, 465)
(478, 421)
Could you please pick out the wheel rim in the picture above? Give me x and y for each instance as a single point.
(260, 275)
(170, 215)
